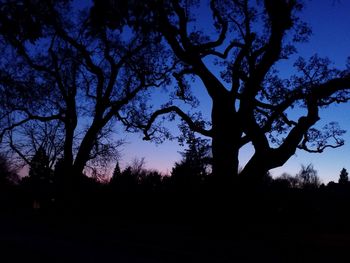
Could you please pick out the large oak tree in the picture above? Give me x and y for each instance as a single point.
(237, 67)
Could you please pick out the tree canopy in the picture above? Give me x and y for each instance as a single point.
(251, 102)
(99, 66)
(60, 70)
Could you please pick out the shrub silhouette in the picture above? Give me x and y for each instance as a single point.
(307, 177)
(40, 179)
(343, 177)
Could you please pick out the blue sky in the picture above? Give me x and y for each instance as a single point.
(330, 22)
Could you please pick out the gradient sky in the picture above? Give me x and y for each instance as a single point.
(330, 20)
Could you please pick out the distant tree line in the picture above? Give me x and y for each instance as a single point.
(45, 187)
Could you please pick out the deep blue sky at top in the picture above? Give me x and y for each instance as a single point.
(329, 20)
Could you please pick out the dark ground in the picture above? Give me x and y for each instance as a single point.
(259, 228)
(100, 239)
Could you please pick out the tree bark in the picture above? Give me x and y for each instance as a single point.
(257, 168)
(265, 160)
(85, 148)
(70, 125)
(225, 141)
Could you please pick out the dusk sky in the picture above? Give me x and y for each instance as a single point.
(329, 20)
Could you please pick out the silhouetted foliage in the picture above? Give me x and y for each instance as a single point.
(343, 177)
(135, 178)
(116, 173)
(48, 136)
(287, 181)
(250, 101)
(68, 76)
(126, 181)
(195, 163)
(150, 181)
(40, 179)
(100, 64)
(307, 177)
(102, 77)
(39, 167)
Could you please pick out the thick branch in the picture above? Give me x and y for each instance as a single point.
(279, 12)
(87, 57)
(20, 154)
(29, 117)
(291, 142)
(320, 148)
(193, 125)
(183, 19)
(227, 50)
(22, 51)
(222, 36)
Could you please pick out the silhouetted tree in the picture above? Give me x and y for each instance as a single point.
(307, 177)
(150, 181)
(250, 101)
(116, 174)
(343, 177)
(195, 162)
(91, 76)
(33, 136)
(287, 180)
(137, 165)
(127, 181)
(40, 177)
(116, 171)
(39, 166)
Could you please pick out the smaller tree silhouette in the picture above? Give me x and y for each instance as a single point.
(116, 174)
(125, 181)
(286, 180)
(308, 178)
(39, 166)
(40, 178)
(194, 165)
(343, 177)
(137, 165)
(150, 181)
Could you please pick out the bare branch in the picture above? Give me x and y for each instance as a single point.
(319, 149)
(30, 117)
(14, 148)
(22, 51)
(193, 125)
(223, 55)
(222, 36)
(319, 140)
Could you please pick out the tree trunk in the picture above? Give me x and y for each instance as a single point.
(83, 155)
(263, 161)
(68, 149)
(256, 170)
(225, 156)
(70, 126)
(260, 164)
(225, 142)
(66, 176)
